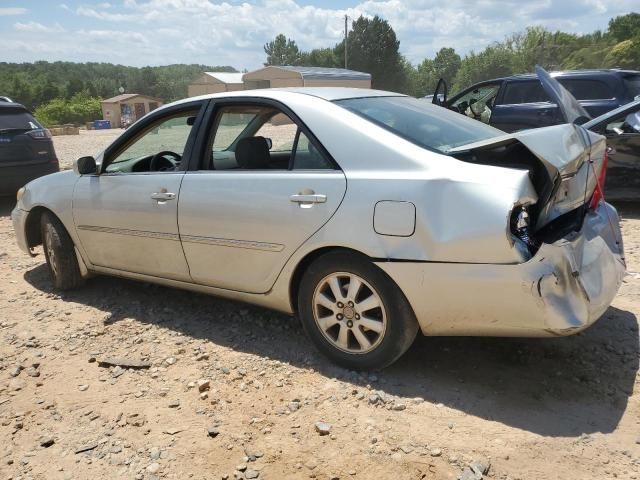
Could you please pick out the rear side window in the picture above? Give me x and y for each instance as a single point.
(524, 92)
(632, 84)
(17, 119)
(420, 122)
(585, 89)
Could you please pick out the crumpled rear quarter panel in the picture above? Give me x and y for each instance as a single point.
(563, 289)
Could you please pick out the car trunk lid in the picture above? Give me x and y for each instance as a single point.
(564, 162)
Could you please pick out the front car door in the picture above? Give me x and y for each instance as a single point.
(126, 217)
(263, 187)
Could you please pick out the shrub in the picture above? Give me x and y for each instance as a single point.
(78, 109)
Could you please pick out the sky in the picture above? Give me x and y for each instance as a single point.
(232, 32)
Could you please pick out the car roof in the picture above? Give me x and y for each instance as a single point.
(5, 106)
(569, 73)
(326, 93)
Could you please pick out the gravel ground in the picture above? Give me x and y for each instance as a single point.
(89, 142)
(227, 390)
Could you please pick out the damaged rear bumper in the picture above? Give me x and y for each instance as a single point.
(563, 289)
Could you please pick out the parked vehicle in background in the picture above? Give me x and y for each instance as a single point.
(371, 215)
(622, 129)
(519, 102)
(26, 148)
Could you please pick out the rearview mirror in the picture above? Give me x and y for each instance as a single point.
(85, 166)
(269, 143)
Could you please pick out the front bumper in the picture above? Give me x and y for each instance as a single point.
(563, 289)
(19, 219)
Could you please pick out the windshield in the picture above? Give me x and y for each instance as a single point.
(420, 122)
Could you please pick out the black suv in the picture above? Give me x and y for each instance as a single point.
(26, 149)
(519, 102)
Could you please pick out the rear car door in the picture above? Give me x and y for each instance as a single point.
(595, 95)
(126, 217)
(523, 104)
(263, 187)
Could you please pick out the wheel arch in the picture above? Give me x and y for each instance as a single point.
(303, 264)
(32, 230)
(310, 257)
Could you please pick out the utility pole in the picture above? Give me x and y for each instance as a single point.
(346, 18)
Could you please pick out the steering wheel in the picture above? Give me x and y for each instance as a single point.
(155, 166)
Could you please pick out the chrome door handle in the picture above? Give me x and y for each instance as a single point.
(308, 198)
(163, 196)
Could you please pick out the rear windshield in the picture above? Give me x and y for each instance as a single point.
(633, 85)
(432, 127)
(17, 118)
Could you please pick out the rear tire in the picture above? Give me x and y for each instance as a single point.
(60, 253)
(354, 313)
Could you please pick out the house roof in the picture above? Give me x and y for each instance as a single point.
(128, 96)
(225, 77)
(321, 73)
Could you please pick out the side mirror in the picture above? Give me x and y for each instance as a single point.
(269, 142)
(440, 94)
(85, 166)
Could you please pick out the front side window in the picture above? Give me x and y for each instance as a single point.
(632, 83)
(625, 123)
(478, 102)
(158, 148)
(420, 122)
(260, 137)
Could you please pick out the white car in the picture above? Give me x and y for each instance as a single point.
(369, 214)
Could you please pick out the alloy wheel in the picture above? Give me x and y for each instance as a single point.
(349, 312)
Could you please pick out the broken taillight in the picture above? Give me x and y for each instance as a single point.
(598, 193)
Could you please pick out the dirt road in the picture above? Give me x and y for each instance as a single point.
(234, 391)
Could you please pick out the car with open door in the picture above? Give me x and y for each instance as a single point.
(519, 102)
(368, 214)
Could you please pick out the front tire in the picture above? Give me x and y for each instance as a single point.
(354, 313)
(60, 253)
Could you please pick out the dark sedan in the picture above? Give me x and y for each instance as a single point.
(26, 149)
(622, 129)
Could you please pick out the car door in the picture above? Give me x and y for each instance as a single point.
(623, 143)
(263, 187)
(523, 104)
(126, 217)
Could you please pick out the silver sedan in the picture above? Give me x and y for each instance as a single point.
(370, 215)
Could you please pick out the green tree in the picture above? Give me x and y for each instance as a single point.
(625, 54)
(282, 51)
(625, 27)
(373, 48)
(446, 64)
(322, 57)
(494, 61)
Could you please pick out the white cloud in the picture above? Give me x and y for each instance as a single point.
(38, 27)
(6, 11)
(218, 32)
